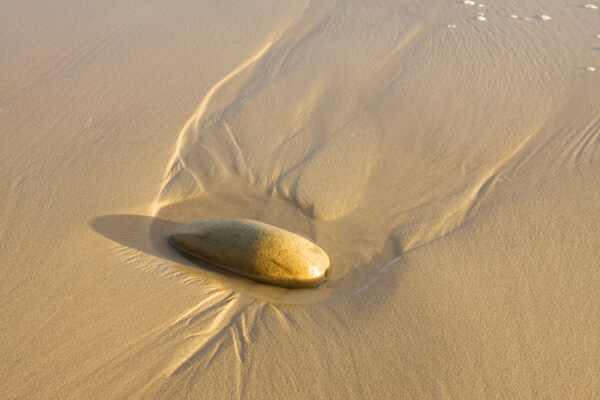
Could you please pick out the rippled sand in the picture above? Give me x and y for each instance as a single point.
(446, 156)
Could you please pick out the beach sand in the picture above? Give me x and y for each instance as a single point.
(448, 165)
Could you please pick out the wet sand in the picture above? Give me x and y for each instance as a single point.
(448, 164)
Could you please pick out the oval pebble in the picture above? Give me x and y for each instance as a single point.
(255, 250)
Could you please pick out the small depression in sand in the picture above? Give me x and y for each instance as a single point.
(358, 253)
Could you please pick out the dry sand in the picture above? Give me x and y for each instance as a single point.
(449, 166)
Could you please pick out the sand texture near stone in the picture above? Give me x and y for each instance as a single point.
(444, 154)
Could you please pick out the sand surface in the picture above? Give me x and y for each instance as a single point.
(449, 166)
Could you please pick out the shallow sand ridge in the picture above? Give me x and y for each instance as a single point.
(447, 164)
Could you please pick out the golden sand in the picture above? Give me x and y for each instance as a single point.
(448, 165)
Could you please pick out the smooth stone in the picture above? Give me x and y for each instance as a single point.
(255, 250)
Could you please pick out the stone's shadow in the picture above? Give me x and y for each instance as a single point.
(149, 236)
(140, 232)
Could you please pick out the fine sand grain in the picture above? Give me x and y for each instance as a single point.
(445, 155)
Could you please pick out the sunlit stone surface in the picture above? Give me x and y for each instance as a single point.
(255, 250)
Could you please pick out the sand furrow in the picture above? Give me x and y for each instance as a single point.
(194, 122)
